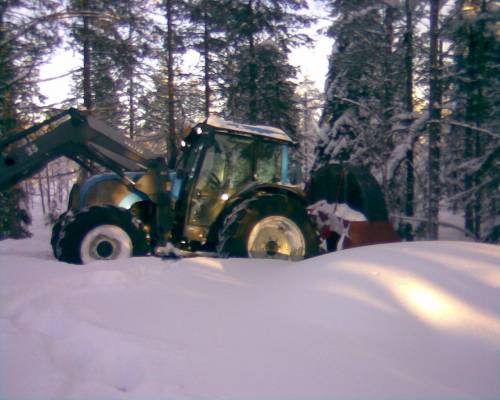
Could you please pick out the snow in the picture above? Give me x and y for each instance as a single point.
(397, 321)
(452, 227)
(259, 130)
(334, 217)
(336, 210)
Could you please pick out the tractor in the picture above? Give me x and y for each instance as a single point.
(233, 193)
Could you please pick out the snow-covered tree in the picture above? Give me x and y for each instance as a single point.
(359, 94)
(309, 102)
(474, 138)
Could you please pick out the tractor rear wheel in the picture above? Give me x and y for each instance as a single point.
(268, 226)
(100, 233)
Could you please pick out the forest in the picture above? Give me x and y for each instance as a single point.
(412, 90)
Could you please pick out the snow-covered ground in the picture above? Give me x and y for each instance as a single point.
(399, 321)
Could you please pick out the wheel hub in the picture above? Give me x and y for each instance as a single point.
(104, 249)
(105, 242)
(276, 237)
(272, 248)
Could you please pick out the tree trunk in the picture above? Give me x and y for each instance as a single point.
(171, 142)
(408, 60)
(387, 101)
(131, 83)
(49, 197)
(87, 88)
(252, 69)
(42, 197)
(433, 189)
(131, 105)
(7, 116)
(206, 56)
(87, 85)
(474, 115)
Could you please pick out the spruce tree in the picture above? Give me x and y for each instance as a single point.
(261, 90)
(354, 113)
(27, 36)
(209, 22)
(190, 109)
(93, 37)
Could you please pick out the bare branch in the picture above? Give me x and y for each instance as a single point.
(53, 78)
(475, 128)
(57, 15)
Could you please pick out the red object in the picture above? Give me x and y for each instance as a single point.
(325, 232)
(362, 233)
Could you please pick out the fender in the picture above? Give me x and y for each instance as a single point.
(265, 188)
(109, 189)
(251, 190)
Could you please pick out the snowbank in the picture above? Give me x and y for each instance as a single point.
(398, 321)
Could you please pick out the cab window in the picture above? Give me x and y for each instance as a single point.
(268, 162)
(238, 154)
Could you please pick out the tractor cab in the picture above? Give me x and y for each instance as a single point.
(220, 160)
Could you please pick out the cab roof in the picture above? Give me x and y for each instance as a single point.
(262, 131)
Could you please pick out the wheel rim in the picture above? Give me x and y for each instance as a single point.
(105, 242)
(276, 237)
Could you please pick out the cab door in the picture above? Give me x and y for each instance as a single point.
(226, 167)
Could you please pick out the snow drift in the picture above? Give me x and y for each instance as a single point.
(398, 321)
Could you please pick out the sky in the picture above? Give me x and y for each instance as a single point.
(313, 64)
(311, 61)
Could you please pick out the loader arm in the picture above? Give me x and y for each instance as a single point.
(77, 136)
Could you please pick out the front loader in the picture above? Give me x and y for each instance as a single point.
(231, 194)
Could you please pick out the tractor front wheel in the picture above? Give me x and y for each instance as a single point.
(100, 233)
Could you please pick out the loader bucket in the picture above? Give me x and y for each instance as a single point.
(335, 188)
